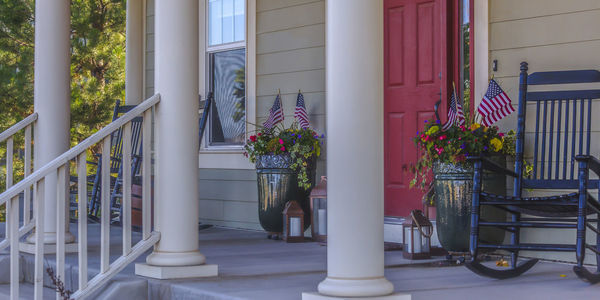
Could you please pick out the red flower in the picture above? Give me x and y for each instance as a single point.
(282, 148)
(501, 134)
(260, 133)
(281, 142)
(443, 137)
(253, 138)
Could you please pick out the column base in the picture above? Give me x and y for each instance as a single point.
(176, 259)
(348, 287)
(48, 248)
(50, 238)
(162, 272)
(317, 296)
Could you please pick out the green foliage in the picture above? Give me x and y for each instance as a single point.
(303, 146)
(97, 62)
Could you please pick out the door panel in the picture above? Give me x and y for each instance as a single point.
(413, 78)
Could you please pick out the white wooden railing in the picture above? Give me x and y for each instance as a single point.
(8, 136)
(60, 167)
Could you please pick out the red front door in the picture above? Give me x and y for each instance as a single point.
(415, 78)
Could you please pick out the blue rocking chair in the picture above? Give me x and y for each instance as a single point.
(561, 160)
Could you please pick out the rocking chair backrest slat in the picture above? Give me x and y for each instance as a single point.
(563, 123)
(117, 137)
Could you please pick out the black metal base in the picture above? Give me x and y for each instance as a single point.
(482, 270)
(585, 275)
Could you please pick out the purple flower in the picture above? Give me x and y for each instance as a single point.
(463, 146)
(322, 136)
(425, 121)
(485, 148)
(299, 136)
(437, 121)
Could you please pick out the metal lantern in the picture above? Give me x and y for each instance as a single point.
(318, 208)
(293, 223)
(416, 236)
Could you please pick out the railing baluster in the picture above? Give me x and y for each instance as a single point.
(38, 282)
(126, 189)
(27, 172)
(82, 218)
(146, 175)
(9, 179)
(566, 149)
(105, 207)
(12, 214)
(61, 201)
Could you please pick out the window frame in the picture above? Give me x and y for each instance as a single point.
(208, 50)
(457, 48)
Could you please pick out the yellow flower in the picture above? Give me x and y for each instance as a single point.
(433, 130)
(496, 144)
(475, 126)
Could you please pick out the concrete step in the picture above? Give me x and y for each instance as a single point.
(25, 291)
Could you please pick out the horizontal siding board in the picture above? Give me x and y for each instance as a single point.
(555, 29)
(233, 224)
(505, 10)
(290, 39)
(245, 191)
(240, 212)
(307, 81)
(290, 61)
(266, 5)
(571, 56)
(314, 102)
(291, 17)
(211, 209)
(227, 174)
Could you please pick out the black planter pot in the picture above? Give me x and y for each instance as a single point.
(278, 184)
(453, 185)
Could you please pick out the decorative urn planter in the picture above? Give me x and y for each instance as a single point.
(453, 185)
(278, 184)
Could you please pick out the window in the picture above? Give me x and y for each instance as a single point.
(226, 62)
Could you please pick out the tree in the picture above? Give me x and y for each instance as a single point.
(97, 62)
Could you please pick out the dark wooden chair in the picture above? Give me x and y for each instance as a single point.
(561, 142)
(116, 168)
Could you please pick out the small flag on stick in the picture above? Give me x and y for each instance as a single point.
(455, 111)
(300, 112)
(275, 114)
(495, 104)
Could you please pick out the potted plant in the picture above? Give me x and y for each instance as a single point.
(446, 152)
(285, 160)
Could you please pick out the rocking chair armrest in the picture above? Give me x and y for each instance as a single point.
(489, 165)
(592, 162)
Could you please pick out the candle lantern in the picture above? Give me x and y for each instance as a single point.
(318, 208)
(293, 223)
(416, 236)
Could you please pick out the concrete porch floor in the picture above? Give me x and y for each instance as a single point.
(253, 267)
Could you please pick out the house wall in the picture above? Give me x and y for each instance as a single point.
(549, 35)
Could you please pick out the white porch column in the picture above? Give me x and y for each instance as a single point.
(355, 258)
(177, 74)
(52, 98)
(134, 52)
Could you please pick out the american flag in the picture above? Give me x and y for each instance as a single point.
(495, 104)
(455, 112)
(300, 112)
(275, 114)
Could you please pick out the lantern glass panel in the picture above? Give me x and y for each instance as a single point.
(425, 241)
(295, 226)
(320, 215)
(413, 242)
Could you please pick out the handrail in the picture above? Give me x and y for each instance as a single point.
(75, 151)
(18, 126)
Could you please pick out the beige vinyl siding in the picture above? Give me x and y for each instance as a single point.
(290, 46)
(550, 35)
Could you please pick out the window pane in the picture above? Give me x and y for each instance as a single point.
(214, 22)
(228, 117)
(227, 21)
(239, 21)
